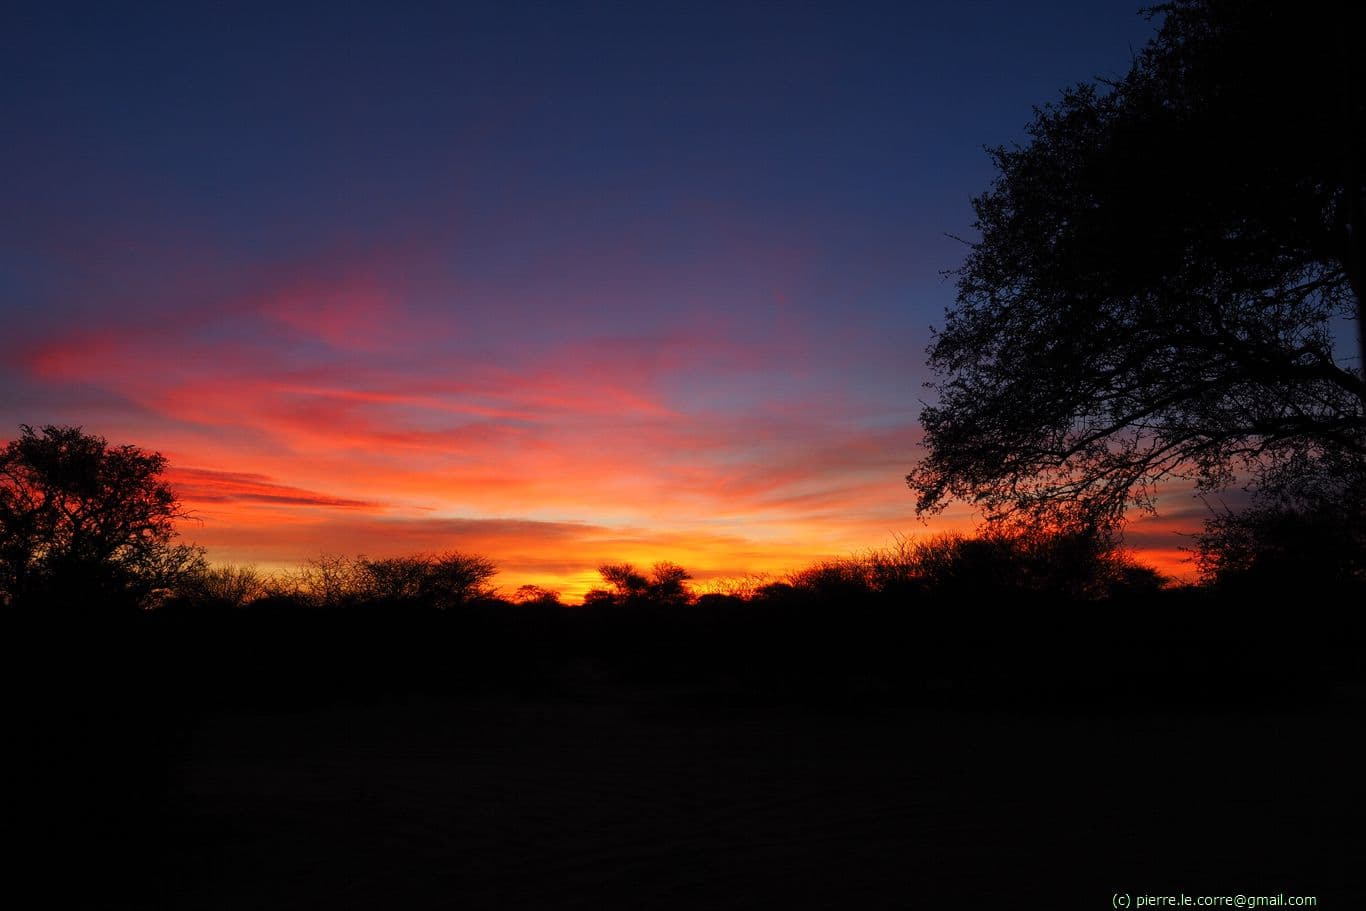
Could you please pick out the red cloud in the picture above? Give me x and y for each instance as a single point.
(333, 415)
(202, 485)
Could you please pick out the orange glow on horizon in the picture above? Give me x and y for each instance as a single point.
(247, 519)
(332, 418)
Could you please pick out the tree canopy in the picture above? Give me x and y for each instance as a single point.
(83, 522)
(442, 580)
(666, 584)
(1163, 278)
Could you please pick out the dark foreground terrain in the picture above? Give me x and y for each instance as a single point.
(221, 776)
(581, 805)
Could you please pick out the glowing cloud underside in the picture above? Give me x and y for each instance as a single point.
(335, 417)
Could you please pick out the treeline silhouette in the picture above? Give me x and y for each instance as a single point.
(951, 615)
(103, 702)
(120, 642)
(991, 621)
(103, 708)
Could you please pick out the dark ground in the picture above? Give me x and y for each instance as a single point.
(333, 761)
(623, 803)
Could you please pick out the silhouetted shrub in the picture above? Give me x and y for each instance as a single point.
(835, 579)
(535, 595)
(280, 601)
(627, 583)
(715, 601)
(668, 584)
(225, 586)
(775, 591)
(445, 580)
(391, 580)
(665, 585)
(1073, 566)
(1286, 547)
(453, 579)
(744, 587)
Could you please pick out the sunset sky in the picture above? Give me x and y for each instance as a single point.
(553, 282)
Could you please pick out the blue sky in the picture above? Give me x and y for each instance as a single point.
(538, 280)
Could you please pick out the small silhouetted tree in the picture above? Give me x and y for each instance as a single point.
(626, 581)
(221, 586)
(392, 580)
(666, 584)
(1314, 537)
(744, 587)
(840, 578)
(535, 595)
(454, 579)
(327, 580)
(669, 583)
(1158, 275)
(1075, 565)
(86, 524)
(442, 580)
(1070, 564)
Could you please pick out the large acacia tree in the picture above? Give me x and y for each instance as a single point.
(84, 523)
(1165, 279)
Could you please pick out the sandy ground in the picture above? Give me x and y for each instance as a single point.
(668, 801)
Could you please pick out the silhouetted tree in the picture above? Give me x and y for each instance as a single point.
(1079, 565)
(1311, 537)
(1073, 564)
(83, 523)
(744, 587)
(395, 579)
(1158, 274)
(846, 577)
(441, 580)
(536, 595)
(454, 579)
(221, 586)
(666, 584)
(625, 580)
(327, 580)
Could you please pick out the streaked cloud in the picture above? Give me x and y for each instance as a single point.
(339, 415)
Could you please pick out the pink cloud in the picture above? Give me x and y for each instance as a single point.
(331, 412)
(201, 485)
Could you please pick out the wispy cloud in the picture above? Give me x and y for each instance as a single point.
(343, 412)
(202, 485)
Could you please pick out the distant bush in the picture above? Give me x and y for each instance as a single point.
(744, 587)
(1069, 565)
(666, 584)
(529, 595)
(1075, 565)
(224, 585)
(445, 580)
(1286, 546)
(453, 579)
(834, 578)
